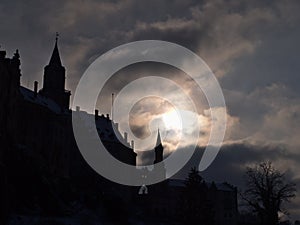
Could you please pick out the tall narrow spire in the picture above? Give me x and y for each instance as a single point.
(159, 149)
(158, 141)
(55, 58)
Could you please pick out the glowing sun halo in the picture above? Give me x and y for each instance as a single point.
(172, 120)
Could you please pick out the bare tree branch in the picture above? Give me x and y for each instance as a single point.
(266, 190)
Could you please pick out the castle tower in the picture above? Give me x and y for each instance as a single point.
(54, 80)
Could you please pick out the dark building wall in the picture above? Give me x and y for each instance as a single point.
(224, 204)
(31, 125)
(38, 152)
(9, 81)
(45, 133)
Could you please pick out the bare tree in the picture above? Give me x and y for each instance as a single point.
(266, 190)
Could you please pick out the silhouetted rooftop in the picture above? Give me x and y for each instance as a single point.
(219, 186)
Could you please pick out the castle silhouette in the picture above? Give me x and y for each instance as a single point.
(38, 151)
(42, 119)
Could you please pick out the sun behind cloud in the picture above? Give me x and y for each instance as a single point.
(172, 120)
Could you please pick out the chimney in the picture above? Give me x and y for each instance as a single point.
(132, 144)
(35, 88)
(77, 108)
(2, 55)
(96, 114)
(126, 137)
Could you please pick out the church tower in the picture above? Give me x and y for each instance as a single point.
(54, 80)
(159, 169)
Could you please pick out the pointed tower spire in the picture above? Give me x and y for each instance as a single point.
(55, 58)
(158, 149)
(159, 169)
(158, 140)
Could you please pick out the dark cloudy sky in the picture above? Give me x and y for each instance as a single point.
(251, 46)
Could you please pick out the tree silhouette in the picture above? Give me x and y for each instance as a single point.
(196, 208)
(266, 190)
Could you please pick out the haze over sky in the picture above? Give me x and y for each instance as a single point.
(251, 46)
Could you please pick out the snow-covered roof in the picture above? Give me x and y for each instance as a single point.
(41, 100)
(107, 129)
